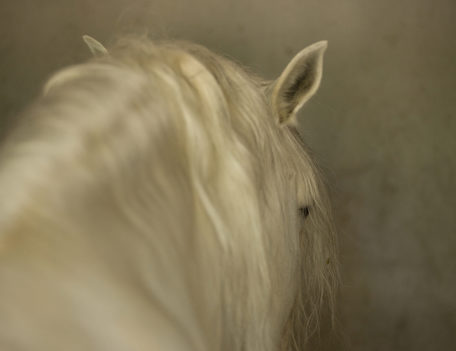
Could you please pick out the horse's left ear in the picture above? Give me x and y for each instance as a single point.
(298, 82)
(95, 47)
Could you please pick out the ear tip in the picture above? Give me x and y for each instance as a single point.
(95, 47)
(87, 38)
(320, 45)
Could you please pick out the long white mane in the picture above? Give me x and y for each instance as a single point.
(158, 197)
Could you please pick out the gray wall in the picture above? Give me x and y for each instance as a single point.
(382, 125)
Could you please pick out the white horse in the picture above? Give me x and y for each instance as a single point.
(158, 197)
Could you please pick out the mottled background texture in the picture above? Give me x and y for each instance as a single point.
(383, 126)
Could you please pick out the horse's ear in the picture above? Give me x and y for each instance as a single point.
(95, 47)
(298, 82)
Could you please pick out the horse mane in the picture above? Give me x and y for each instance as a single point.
(177, 147)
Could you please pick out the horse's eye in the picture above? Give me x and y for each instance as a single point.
(304, 211)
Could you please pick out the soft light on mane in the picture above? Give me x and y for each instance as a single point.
(159, 197)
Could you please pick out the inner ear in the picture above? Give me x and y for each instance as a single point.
(298, 82)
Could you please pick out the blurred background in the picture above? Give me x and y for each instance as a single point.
(383, 127)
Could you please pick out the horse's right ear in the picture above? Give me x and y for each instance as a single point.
(298, 82)
(95, 47)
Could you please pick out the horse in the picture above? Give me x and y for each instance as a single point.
(159, 197)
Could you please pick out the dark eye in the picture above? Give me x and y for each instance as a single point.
(304, 211)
